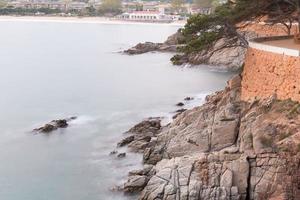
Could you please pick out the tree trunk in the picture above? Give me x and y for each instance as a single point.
(298, 15)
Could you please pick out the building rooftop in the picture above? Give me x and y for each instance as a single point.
(146, 12)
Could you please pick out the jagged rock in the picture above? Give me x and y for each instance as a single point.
(180, 104)
(54, 125)
(150, 47)
(60, 123)
(175, 39)
(47, 128)
(113, 152)
(71, 118)
(138, 146)
(170, 45)
(141, 48)
(231, 59)
(178, 112)
(192, 177)
(149, 125)
(224, 134)
(188, 98)
(135, 183)
(126, 141)
(121, 155)
(181, 110)
(226, 149)
(147, 170)
(141, 135)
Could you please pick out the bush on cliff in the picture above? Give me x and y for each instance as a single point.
(202, 31)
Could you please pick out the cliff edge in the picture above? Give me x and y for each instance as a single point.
(218, 55)
(224, 149)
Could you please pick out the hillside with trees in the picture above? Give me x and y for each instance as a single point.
(201, 32)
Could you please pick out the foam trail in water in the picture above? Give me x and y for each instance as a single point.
(198, 100)
(81, 120)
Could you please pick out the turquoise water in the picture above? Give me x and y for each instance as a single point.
(55, 70)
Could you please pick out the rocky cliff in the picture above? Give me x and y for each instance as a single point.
(224, 149)
(170, 45)
(219, 55)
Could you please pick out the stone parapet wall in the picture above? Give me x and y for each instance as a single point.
(262, 29)
(257, 43)
(267, 73)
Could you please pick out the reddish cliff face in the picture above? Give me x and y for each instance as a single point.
(267, 73)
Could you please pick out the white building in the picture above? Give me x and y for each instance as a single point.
(77, 5)
(150, 16)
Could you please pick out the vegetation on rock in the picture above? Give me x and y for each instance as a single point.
(201, 32)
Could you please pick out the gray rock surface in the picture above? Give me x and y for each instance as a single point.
(140, 135)
(224, 149)
(230, 58)
(135, 183)
(54, 125)
(170, 45)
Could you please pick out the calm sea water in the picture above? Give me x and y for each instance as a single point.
(55, 70)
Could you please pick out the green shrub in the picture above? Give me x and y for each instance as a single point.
(176, 59)
(204, 41)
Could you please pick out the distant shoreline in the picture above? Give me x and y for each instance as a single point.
(91, 20)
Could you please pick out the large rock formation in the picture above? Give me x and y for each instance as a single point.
(170, 45)
(146, 47)
(224, 149)
(221, 55)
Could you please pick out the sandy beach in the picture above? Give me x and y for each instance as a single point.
(92, 20)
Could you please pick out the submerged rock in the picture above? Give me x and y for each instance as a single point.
(180, 110)
(47, 128)
(188, 98)
(121, 155)
(54, 125)
(113, 152)
(180, 104)
(61, 123)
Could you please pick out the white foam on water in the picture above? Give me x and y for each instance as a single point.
(198, 100)
(82, 120)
